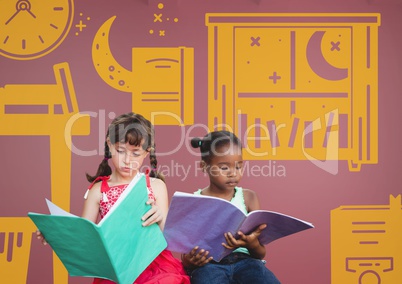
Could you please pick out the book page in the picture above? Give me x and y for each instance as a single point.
(130, 245)
(278, 225)
(119, 248)
(196, 220)
(77, 243)
(56, 210)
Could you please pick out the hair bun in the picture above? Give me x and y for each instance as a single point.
(196, 142)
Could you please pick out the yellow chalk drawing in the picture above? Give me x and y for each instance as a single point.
(32, 29)
(56, 115)
(81, 26)
(160, 19)
(161, 83)
(15, 246)
(366, 243)
(289, 84)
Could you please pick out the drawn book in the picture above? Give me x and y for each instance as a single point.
(118, 248)
(197, 220)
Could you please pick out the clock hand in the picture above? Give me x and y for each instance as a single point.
(22, 5)
(26, 5)
(12, 17)
(29, 11)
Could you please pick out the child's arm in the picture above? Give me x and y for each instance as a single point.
(249, 241)
(91, 204)
(158, 212)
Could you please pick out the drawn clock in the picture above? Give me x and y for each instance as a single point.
(30, 29)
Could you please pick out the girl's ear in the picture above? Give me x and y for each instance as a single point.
(148, 151)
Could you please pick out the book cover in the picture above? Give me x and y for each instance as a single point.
(197, 220)
(118, 248)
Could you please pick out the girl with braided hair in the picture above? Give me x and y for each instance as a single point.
(129, 140)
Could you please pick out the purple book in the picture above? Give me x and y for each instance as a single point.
(198, 220)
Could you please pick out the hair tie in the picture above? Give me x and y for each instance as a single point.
(154, 170)
(106, 159)
(199, 143)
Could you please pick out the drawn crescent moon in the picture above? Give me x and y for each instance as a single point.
(105, 64)
(319, 64)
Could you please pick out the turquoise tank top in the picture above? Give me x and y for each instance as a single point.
(238, 201)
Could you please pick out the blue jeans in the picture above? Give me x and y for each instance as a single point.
(235, 268)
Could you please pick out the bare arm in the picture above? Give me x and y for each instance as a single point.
(249, 241)
(158, 212)
(251, 200)
(91, 204)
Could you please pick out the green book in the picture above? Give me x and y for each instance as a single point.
(119, 248)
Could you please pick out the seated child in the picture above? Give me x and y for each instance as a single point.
(221, 159)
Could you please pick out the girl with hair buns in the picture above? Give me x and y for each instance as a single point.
(129, 140)
(221, 159)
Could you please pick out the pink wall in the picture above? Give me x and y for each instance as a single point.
(306, 191)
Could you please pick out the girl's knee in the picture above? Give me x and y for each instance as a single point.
(209, 274)
(255, 271)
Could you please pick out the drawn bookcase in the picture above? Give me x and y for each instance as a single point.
(296, 86)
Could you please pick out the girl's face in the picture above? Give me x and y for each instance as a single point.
(225, 167)
(127, 159)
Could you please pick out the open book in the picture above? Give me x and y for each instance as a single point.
(119, 248)
(198, 220)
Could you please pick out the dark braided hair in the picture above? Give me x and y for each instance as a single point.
(129, 128)
(212, 141)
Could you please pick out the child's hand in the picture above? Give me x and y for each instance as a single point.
(40, 237)
(154, 215)
(196, 258)
(247, 241)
